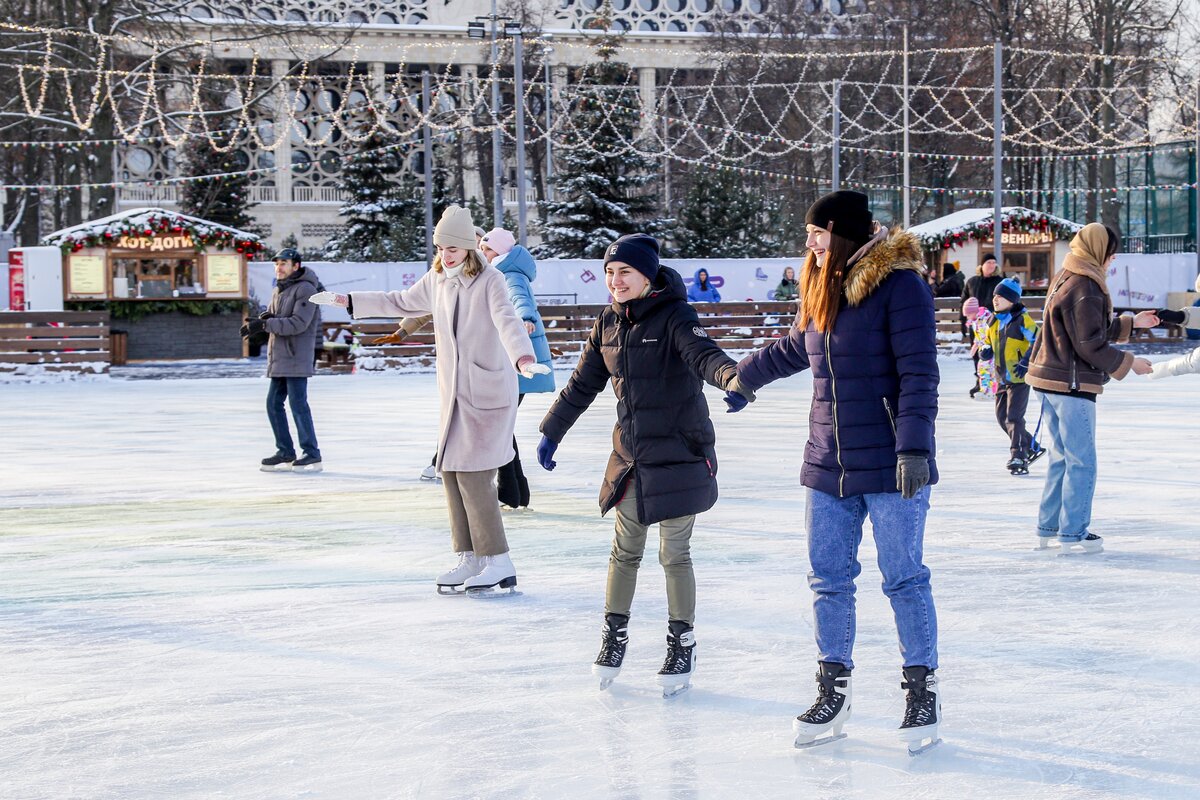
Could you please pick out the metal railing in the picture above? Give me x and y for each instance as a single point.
(317, 194)
(511, 196)
(157, 195)
(1160, 243)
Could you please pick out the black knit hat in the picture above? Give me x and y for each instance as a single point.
(845, 213)
(638, 250)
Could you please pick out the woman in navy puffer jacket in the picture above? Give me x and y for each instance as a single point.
(866, 330)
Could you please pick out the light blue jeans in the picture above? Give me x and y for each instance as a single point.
(1070, 424)
(835, 527)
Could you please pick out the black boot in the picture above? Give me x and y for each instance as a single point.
(830, 710)
(612, 649)
(680, 663)
(922, 711)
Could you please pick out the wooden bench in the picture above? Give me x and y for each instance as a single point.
(56, 341)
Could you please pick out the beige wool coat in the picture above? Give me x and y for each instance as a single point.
(480, 339)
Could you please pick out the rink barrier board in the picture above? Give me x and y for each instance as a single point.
(61, 341)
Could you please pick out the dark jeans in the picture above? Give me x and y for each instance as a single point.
(295, 391)
(1011, 401)
(512, 488)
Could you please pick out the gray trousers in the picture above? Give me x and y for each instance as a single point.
(1011, 402)
(674, 554)
(475, 522)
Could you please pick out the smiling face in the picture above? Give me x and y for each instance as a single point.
(623, 281)
(818, 242)
(452, 256)
(1001, 303)
(284, 267)
(989, 268)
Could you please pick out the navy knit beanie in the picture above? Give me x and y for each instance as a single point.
(1009, 289)
(638, 250)
(846, 213)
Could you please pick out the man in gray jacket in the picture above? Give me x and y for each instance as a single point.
(293, 324)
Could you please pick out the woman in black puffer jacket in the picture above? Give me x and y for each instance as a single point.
(663, 467)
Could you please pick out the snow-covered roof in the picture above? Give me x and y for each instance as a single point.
(133, 216)
(970, 217)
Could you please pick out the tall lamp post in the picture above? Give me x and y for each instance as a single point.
(907, 187)
(476, 30)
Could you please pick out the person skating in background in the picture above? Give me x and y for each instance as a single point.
(701, 290)
(481, 347)
(789, 287)
(866, 329)
(1010, 337)
(1071, 361)
(663, 467)
(952, 282)
(1185, 364)
(516, 263)
(982, 285)
(293, 325)
(978, 320)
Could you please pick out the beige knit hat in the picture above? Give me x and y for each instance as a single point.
(455, 229)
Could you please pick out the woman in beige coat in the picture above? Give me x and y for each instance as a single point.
(480, 339)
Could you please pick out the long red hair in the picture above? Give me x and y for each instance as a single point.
(821, 284)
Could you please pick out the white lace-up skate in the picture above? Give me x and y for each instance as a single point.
(496, 572)
(452, 582)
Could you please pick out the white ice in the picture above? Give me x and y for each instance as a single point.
(176, 624)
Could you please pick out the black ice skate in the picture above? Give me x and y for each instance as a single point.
(830, 711)
(1035, 452)
(1018, 466)
(676, 674)
(1086, 546)
(307, 464)
(922, 712)
(277, 463)
(612, 649)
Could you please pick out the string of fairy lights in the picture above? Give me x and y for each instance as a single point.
(727, 116)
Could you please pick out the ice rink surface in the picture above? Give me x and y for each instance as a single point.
(176, 624)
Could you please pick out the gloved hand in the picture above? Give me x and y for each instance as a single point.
(1020, 368)
(1173, 317)
(912, 474)
(254, 327)
(545, 453)
(735, 401)
(529, 367)
(985, 354)
(329, 299)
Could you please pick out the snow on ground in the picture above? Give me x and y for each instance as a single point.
(174, 623)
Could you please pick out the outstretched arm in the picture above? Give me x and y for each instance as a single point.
(585, 383)
(781, 358)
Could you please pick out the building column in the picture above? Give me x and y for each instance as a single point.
(472, 182)
(647, 90)
(283, 153)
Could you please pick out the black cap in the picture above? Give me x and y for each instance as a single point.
(638, 250)
(846, 213)
(288, 254)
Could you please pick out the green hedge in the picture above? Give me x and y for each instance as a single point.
(133, 310)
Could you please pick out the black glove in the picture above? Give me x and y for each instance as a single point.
(266, 315)
(912, 474)
(254, 328)
(986, 354)
(1171, 317)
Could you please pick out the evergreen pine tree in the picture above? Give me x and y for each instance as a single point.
(384, 209)
(601, 189)
(722, 218)
(226, 200)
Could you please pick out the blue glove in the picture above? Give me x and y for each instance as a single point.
(1019, 369)
(735, 401)
(545, 453)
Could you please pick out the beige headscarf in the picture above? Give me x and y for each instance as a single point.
(1087, 254)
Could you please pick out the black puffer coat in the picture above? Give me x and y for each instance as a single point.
(655, 352)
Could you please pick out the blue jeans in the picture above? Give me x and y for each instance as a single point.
(834, 532)
(1070, 424)
(295, 391)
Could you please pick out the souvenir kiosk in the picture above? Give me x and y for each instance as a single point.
(1034, 243)
(175, 283)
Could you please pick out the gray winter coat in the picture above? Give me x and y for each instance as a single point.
(294, 326)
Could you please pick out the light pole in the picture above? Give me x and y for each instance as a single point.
(906, 190)
(475, 30)
(549, 92)
(513, 29)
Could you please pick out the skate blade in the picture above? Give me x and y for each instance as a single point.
(605, 683)
(279, 468)
(915, 749)
(450, 590)
(675, 691)
(810, 743)
(491, 592)
(314, 469)
(1073, 552)
(1050, 549)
